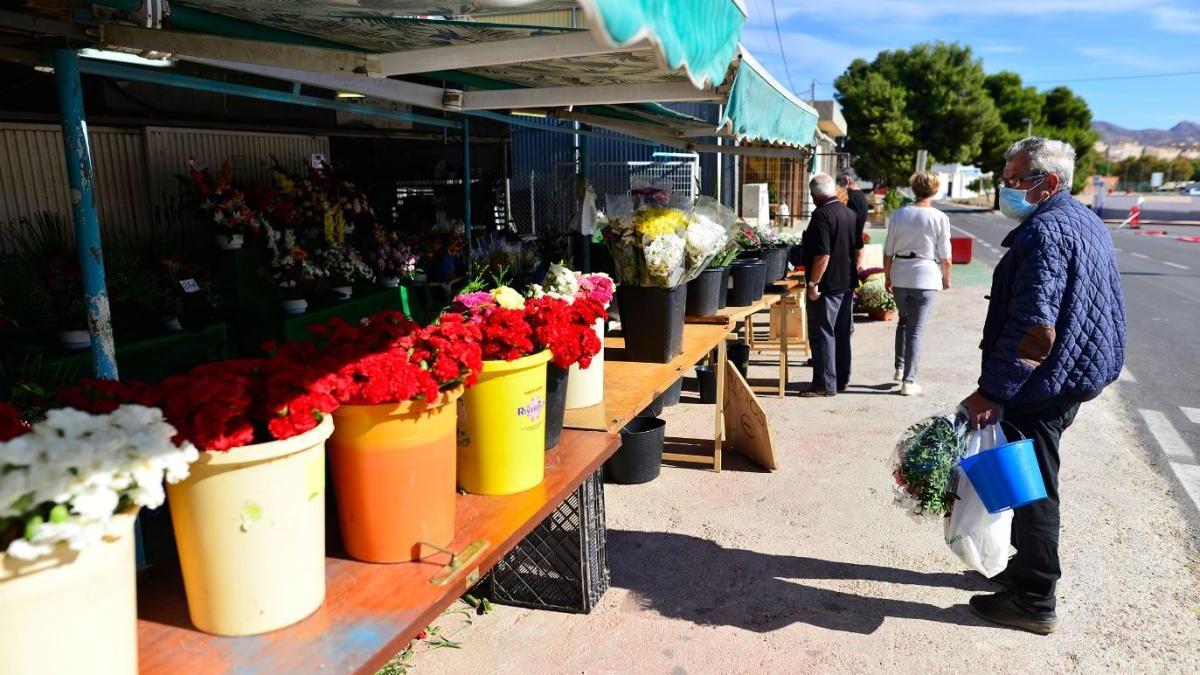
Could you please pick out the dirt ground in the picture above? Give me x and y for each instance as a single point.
(813, 569)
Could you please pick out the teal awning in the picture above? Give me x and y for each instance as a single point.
(759, 108)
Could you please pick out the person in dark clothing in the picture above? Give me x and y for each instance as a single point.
(857, 201)
(829, 263)
(1053, 339)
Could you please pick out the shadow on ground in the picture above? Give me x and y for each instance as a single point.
(762, 592)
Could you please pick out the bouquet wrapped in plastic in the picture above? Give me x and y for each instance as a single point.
(923, 464)
(654, 244)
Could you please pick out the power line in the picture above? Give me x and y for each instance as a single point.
(782, 54)
(1117, 77)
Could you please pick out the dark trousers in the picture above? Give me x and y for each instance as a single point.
(829, 325)
(1035, 569)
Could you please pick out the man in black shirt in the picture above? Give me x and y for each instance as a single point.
(857, 201)
(830, 259)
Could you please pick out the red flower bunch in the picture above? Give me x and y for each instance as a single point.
(100, 397)
(389, 359)
(11, 424)
(505, 334)
(223, 202)
(565, 328)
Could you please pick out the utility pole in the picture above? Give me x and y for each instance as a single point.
(812, 92)
(1028, 126)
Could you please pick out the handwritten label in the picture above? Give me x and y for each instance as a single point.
(189, 285)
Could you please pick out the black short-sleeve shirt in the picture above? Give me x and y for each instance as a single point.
(831, 232)
(857, 201)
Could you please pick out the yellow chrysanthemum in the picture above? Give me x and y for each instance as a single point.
(657, 222)
(508, 298)
(335, 226)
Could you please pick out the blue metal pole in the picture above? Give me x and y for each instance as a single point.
(466, 140)
(83, 206)
(586, 239)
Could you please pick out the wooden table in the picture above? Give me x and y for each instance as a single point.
(791, 288)
(371, 611)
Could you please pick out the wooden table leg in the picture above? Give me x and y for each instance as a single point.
(718, 423)
(783, 347)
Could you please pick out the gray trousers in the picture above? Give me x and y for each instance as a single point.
(913, 305)
(830, 320)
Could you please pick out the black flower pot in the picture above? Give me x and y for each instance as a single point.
(704, 293)
(706, 377)
(652, 321)
(655, 408)
(556, 403)
(738, 354)
(723, 293)
(796, 256)
(747, 277)
(776, 260)
(639, 459)
(673, 394)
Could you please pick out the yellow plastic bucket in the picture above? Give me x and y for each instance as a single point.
(72, 612)
(250, 527)
(502, 427)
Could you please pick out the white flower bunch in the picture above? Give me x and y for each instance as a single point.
(705, 238)
(561, 282)
(344, 265)
(664, 259)
(65, 479)
(789, 237)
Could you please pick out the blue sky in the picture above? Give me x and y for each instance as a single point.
(1048, 42)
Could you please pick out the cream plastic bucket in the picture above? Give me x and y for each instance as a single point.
(250, 527)
(72, 612)
(585, 386)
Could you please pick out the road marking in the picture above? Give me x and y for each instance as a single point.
(1175, 265)
(1127, 376)
(1169, 440)
(959, 229)
(1143, 256)
(1179, 455)
(1193, 414)
(1118, 250)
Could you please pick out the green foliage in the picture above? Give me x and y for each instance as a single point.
(928, 453)
(874, 296)
(929, 97)
(893, 200)
(1135, 171)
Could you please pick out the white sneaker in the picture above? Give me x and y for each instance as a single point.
(899, 375)
(910, 389)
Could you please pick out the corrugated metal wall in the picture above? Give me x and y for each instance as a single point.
(250, 153)
(33, 177)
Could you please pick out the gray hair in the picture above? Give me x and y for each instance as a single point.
(822, 185)
(1046, 156)
(848, 174)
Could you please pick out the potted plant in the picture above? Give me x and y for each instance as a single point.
(722, 262)
(69, 492)
(567, 328)
(225, 206)
(393, 259)
(773, 251)
(585, 384)
(295, 273)
(344, 267)
(393, 449)
(502, 420)
(876, 300)
(250, 519)
(748, 272)
(707, 238)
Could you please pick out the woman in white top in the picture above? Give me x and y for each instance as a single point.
(916, 262)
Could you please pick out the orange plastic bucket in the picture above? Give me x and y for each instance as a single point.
(393, 471)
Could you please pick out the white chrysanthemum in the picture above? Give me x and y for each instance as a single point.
(664, 256)
(562, 281)
(705, 238)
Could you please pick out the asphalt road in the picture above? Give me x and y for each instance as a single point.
(1162, 365)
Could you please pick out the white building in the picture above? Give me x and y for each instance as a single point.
(956, 180)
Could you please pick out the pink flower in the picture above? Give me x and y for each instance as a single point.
(476, 299)
(597, 288)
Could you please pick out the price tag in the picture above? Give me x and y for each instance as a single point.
(189, 285)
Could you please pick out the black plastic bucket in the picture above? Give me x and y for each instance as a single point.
(673, 394)
(652, 321)
(776, 260)
(706, 377)
(738, 354)
(639, 459)
(704, 293)
(556, 403)
(654, 409)
(723, 293)
(746, 278)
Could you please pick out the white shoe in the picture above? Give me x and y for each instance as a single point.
(910, 389)
(899, 375)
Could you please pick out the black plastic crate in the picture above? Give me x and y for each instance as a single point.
(561, 565)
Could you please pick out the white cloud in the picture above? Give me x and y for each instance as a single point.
(809, 57)
(1114, 56)
(1176, 20)
(933, 9)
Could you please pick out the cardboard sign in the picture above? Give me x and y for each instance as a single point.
(746, 428)
(189, 285)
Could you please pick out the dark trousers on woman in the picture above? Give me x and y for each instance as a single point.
(1035, 569)
(830, 319)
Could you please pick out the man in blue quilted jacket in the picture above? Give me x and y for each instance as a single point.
(1054, 338)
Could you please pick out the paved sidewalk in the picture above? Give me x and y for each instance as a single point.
(812, 569)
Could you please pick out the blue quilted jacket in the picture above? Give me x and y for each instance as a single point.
(1055, 326)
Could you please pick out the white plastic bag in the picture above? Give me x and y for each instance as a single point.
(980, 539)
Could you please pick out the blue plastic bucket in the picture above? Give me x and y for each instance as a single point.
(1006, 476)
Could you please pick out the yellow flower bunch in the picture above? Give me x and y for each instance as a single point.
(508, 298)
(286, 185)
(654, 222)
(335, 226)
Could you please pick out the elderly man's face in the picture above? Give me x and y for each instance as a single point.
(1018, 176)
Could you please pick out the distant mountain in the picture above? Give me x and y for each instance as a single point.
(1184, 132)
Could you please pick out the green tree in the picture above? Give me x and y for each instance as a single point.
(1069, 119)
(937, 89)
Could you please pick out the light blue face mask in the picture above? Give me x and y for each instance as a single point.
(1013, 204)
